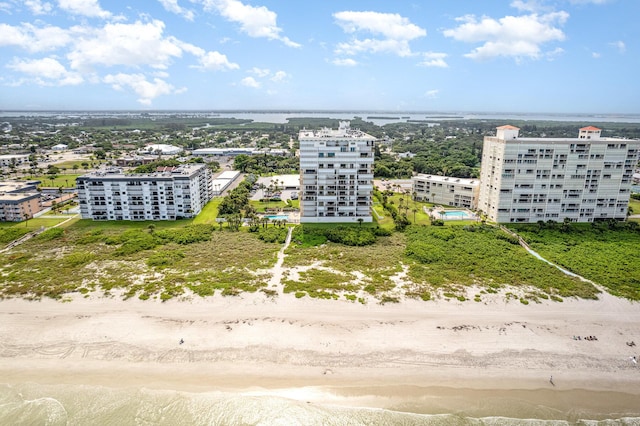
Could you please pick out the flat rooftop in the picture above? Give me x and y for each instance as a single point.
(448, 179)
(168, 172)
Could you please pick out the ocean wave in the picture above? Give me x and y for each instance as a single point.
(80, 405)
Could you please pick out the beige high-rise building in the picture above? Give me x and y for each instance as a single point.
(584, 179)
(336, 175)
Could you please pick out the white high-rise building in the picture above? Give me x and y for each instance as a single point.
(336, 175)
(170, 194)
(532, 179)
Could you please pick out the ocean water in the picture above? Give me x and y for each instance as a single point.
(34, 404)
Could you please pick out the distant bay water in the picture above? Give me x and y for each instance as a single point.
(377, 117)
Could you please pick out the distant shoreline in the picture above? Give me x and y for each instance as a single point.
(282, 116)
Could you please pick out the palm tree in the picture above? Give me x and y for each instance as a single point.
(414, 215)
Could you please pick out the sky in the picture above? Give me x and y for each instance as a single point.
(538, 56)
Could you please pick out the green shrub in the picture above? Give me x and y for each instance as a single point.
(78, 258)
(273, 235)
(350, 235)
(269, 292)
(187, 235)
(97, 235)
(164, 258)
(50, 234)
(8, 235)
(137, 242)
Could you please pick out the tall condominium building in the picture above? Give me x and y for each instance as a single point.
(336, 175)
(169, 194)
(531, 179)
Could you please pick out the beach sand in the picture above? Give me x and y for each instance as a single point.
(494, 358)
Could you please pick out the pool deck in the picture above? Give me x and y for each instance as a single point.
(438, 214)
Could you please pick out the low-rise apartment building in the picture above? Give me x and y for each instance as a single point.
(451, 191)
(6, 160)
(168, 194)
(582, 179)
(18, 206)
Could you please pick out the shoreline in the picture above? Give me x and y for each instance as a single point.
(417, 357)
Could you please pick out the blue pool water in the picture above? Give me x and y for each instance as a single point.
(277, 216)
(455, 213)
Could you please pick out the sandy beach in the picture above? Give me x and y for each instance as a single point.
(419, 357)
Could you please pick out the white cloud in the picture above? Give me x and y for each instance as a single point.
(125, 44)
(147, 91)
(37, 7)
(619, 45)
(263, 73)
(5, 7)
(347, 62)
(396, 32)
(173, 7)
(511, 36)
(255, 21)
(279, 76)
(260, 72)
(46, 72)
(35, 39)
(250, 82)
(216, 61)
(88, 8)
(558, 51)
(434, 59)
(399, 47)
(595, 55)
(390, 25)
(431, 94)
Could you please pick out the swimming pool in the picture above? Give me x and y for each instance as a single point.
(456, 214)
(277, 217)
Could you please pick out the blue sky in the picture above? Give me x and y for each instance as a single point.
(421, 55)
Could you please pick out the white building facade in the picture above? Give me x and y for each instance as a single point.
(175, 193)
(540, 179)
(452, 191)
(336, 175)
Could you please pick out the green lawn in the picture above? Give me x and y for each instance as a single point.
(61, 180)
